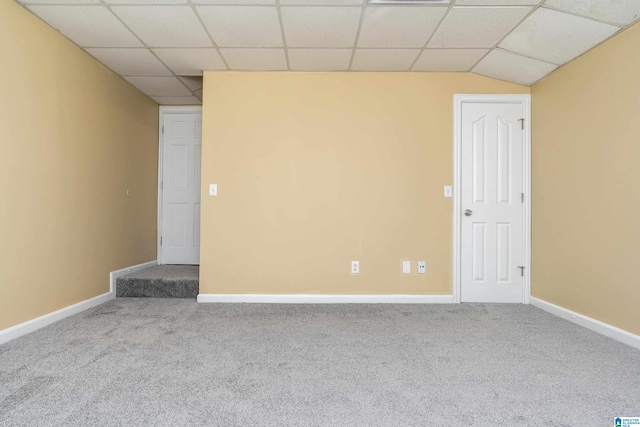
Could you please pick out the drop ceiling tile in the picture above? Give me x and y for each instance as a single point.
(192, 82)
(159, 86)
(130, 62)
(145, 2)
(319, 59)
(403, 27)
(448, 59)
(59, 1)
(384, 59)
(320, 26)
(87, 26)
(242, 26)
(322, 2)
(477, 27)
(164, 26)
(555, 36)
(190, 62)
(514, 68)
(498, 2)
(255, 59)
(623, 12)
(234, 2)
(177, 100)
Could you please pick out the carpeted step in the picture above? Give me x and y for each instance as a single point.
(162, 281)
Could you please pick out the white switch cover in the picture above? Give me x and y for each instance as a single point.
(355, 267)
(422, 267)
(406, 267)
(213, 189)
(448, 191)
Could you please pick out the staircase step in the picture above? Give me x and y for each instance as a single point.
(162, 281)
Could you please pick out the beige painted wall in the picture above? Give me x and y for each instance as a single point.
(317, 169)
(73, 138)
(586, 178)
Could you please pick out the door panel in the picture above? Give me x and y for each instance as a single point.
(492, 183)
(182, 149)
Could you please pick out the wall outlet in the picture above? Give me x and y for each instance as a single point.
(355, 267)
(422, 267)
(448, 191)
(213, 189)
(406, 267)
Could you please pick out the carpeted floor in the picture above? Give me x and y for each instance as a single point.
(173, 362)
(160, 281)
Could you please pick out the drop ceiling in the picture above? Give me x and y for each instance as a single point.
(162, 46)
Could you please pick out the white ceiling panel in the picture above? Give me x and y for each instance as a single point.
(320, 26)
(145, 2)
(622, 12)
(193, 82)
(539, 35)
(60, 1)
(508, 66)
(191, 62)
(402, 27)
(384, 59)
(234, 2)
(322, 2)
(159, 86)
(242, 26)
(177, 100)
(255, 59)
(164, 26)
(448, 59)
(498, 2)
(477, 27)
(319, 59)
(130, 62)
(87, 26)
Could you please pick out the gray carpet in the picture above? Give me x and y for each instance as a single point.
(162, 281)
(173, 362)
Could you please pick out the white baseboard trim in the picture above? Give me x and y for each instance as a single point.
(589, 323)
(325, 299)
(42, 321)
(123, 272)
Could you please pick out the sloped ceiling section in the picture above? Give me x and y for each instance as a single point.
(162, 46)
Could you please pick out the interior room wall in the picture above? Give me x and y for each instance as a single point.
(315, 170)
(586, 176)
(73, 138)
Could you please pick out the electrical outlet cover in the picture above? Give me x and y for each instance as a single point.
(422, 267)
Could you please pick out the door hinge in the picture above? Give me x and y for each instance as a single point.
(162, 185)
(163, 129)
(160, 240)
(521, 267)
(521, 123)
(522, 197)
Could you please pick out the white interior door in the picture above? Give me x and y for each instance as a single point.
(181, 157)
(492, 195)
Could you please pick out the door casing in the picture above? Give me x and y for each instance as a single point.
(458, 101)
(162, 111)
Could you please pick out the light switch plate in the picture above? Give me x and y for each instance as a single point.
(448, 191)
(406, 267)
(213, 189)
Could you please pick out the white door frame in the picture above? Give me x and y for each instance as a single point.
(458, 101)
(162, 111)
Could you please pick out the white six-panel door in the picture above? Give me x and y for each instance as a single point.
(492, 209)
(181, 159)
